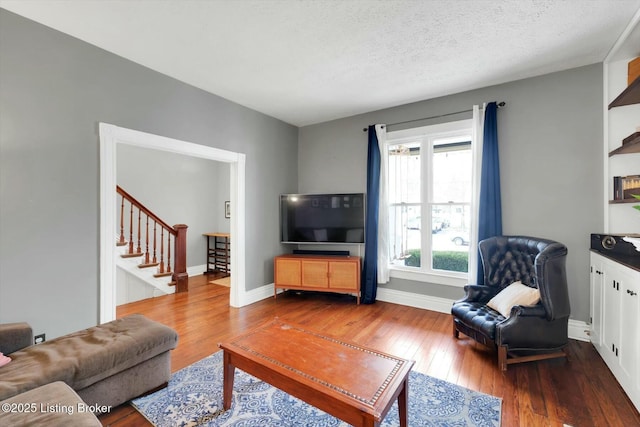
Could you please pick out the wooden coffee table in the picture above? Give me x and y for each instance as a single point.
(356, 384)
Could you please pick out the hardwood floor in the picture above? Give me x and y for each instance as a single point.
(580, 392)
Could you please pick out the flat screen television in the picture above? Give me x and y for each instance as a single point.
(322, 218)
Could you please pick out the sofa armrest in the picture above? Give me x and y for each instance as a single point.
(14, 337)
(479, 293)
(528, 311)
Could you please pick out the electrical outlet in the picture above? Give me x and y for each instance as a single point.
(39, 339)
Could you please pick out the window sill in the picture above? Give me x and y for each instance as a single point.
(420, 276)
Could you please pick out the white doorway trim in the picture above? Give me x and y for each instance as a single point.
(110, 137)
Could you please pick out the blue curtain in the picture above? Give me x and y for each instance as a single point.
(490, 206)
(370, 266)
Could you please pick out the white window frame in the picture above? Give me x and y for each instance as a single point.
(426, 135)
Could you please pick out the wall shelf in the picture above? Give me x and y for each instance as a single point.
(613, 202)
(629, 96)
(628, 147)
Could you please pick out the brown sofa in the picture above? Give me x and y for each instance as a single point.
(52, 405)
(106, 365)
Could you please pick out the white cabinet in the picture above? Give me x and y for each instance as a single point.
(615, 320)
(597, 285)
(629, 325)
(610, 312)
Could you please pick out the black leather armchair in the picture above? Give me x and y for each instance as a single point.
(530, 332)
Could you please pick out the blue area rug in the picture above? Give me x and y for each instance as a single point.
(194, 398)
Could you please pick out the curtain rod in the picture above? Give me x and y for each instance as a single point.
(500, 104)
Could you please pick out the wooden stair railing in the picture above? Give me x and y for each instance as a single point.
(177, 233)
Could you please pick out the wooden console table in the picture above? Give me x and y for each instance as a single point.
(356, 384)
(339, 274)
(218, 254)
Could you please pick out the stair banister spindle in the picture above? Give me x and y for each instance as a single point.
(139, 249)
(122, 240)
(131, 230)
(168, 252)
(164, 267)
(147, 263)
(155, 260)
(146, 251)
(161, 266)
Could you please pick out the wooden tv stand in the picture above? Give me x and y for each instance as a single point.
(321, 273)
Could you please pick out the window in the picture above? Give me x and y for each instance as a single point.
(430, 186)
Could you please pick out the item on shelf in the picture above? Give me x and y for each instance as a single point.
(616, 246)
(617, 188)
(625, 186)
(635, 241)
(634, 70)
(630, 185)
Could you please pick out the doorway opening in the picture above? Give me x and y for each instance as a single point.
(110, 137)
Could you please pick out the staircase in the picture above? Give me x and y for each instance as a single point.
(135, 283)
(145, 245)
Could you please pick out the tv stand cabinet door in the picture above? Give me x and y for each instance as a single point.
(344, 275)
(288, 272)
(315, 274)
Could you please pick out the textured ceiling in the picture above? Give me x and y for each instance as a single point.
(309, 61)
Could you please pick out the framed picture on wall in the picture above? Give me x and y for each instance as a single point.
(227, 209)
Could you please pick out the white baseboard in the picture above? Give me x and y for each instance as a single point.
(255, 295)
(196, 270)
(441, 305)
(578, 330)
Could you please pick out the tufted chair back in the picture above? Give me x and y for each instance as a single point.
(536, 262)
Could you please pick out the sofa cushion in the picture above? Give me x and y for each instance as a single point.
(52, 405)
(88, 356)
(14, 337)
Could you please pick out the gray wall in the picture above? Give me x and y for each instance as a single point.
(55, 90)
(550, 136)
(179, 189)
